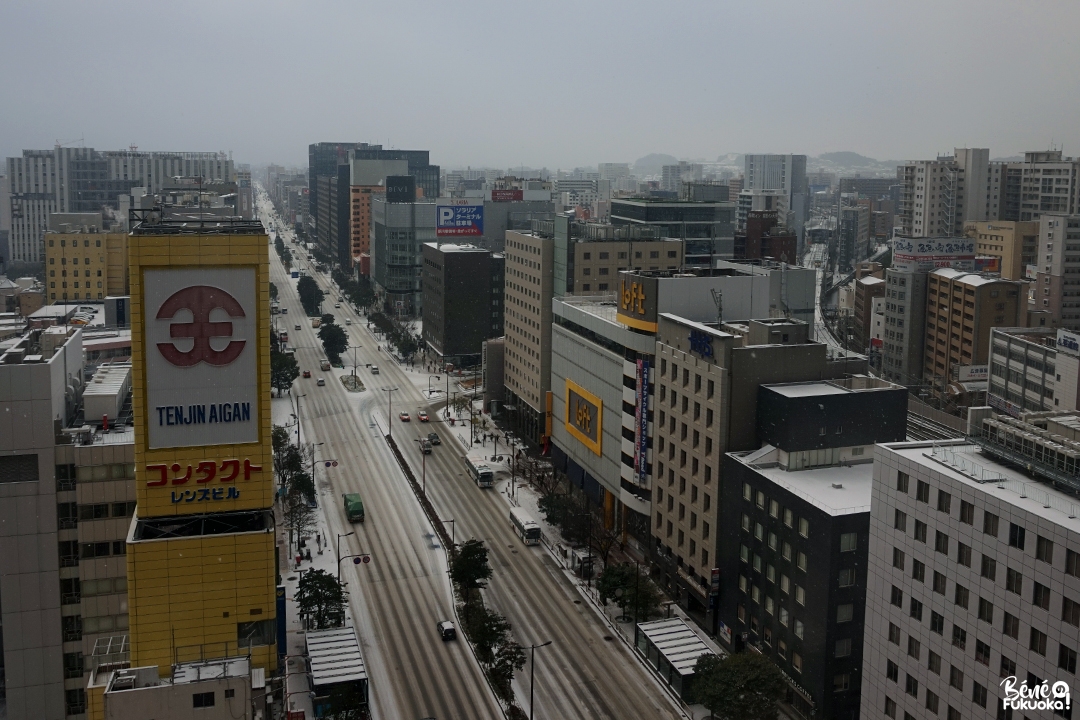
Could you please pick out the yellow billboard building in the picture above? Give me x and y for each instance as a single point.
(200, 551)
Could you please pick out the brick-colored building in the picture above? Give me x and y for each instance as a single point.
(866, 289)
(1015, 243)
(360, 221)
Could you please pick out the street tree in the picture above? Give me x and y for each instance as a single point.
(470, 570)
(298, 516)
(346, 702)
(320, 597)
(509, 658)
(283, 371)
(742, 686)
(487, 629)
(334, 341)
(327, 319)
(311, 296)
(273, 291)
(279, 437)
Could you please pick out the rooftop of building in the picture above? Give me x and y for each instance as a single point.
(1037, 335)
(449, 247)
(153, 221)
(968, 278)
(649, 200)
(834, 489)
(854, 384)
(968, 464)
(141, 678)
(870, 280)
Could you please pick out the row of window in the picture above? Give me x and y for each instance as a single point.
(75, 242)
(775, 511)
(98, 511)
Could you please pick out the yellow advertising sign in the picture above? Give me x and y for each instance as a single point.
(584, 416)
(201, 372)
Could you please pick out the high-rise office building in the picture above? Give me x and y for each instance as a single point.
(1057, 288)
(400, 227)
(68, 179)
(1045, 182)
(463, 301)
(528, 289)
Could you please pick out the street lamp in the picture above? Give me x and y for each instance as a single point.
(297, 416)
(532, 673)
(337, 550)
(436, 378)
(389, 411)
(357, 559)
(354, 348)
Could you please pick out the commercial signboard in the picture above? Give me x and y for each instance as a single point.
(507, 195)
(1068, 342)
(973, 373)
(584, 416)
(400, 188)
(459, 217)
(202, 381)
(641, 424)
(926, 254)
(637, 301)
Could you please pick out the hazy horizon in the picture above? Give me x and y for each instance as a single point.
(553, 85)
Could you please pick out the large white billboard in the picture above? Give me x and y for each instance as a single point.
(202, 381)
(926, 254)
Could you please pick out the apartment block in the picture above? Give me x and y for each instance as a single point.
(787, 174)
(1046, 182)
(463, 301)
(528, 289)
(798, 510)
(973, 571)
(85, 265)
(1057, 265)
(961, 310)
(854, 243)
(1014, 243)
(939, 196)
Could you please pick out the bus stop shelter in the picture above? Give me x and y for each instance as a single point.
(672, 648)
(336, 668)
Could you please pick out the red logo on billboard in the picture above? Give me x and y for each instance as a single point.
(200, 300)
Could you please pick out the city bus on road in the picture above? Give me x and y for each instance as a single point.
(525, 527)
(480, 472)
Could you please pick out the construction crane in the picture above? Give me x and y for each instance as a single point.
(62, 143)
(718, 298)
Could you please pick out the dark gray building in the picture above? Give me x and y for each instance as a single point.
(332, 222)
(323, 160)
(873, 188)
(793, 557)
(398, 231)
(462, 301)
(707, 227)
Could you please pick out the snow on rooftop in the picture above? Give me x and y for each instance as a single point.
(836, 489)
(808, 389)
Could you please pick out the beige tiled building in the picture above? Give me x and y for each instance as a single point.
(85, 266)
(597, 264)
(527, 294)
(1013, 242)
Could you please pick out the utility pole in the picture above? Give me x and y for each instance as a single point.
(389, 412)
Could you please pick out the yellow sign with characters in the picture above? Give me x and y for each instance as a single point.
(584, 416)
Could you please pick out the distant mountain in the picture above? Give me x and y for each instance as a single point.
(848, 164)
(652, 163)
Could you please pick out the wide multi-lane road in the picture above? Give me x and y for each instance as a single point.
(404, 591)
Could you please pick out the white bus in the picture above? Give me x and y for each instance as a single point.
(480, 472)
(525, 526)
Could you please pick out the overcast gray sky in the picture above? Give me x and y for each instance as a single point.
(552, 84)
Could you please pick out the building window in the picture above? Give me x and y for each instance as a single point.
(989, 567)
(1067, 659)
(918, 570)
(933, 663)
(941, 542)
(937, 623)
(990, 524)
(944, 501)
(922, 491)
(902, 482)
(202, 700)
(1013, 581)
(1016, 536)
(1011, 626)
(845, 613)
(967, 512)
(1037, 641)
(1040, 596)
(1044, 549)
(956, 677)
(900, 520)
(986, 610)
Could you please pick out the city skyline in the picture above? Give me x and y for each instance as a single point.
(804, 96)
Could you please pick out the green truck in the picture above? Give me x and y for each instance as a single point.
(354, 507)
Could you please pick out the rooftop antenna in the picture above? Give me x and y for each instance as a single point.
(718, 299)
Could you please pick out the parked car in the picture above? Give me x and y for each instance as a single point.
(404, 417)
(447, 631)
(307, 373)
(422, 416)
(433, 438)
(321, 382)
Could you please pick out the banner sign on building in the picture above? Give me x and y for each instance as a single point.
(400, 188)
(584, 415)
(641, 424)
(459, 217)
(507, 195)
(202, 380)
(926, 254)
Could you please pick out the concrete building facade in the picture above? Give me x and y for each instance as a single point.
(399, 231)
(527, 322)
(939, 196)
(1057, 269)
(1013, 242)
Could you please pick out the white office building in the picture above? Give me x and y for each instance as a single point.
(974, 570)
